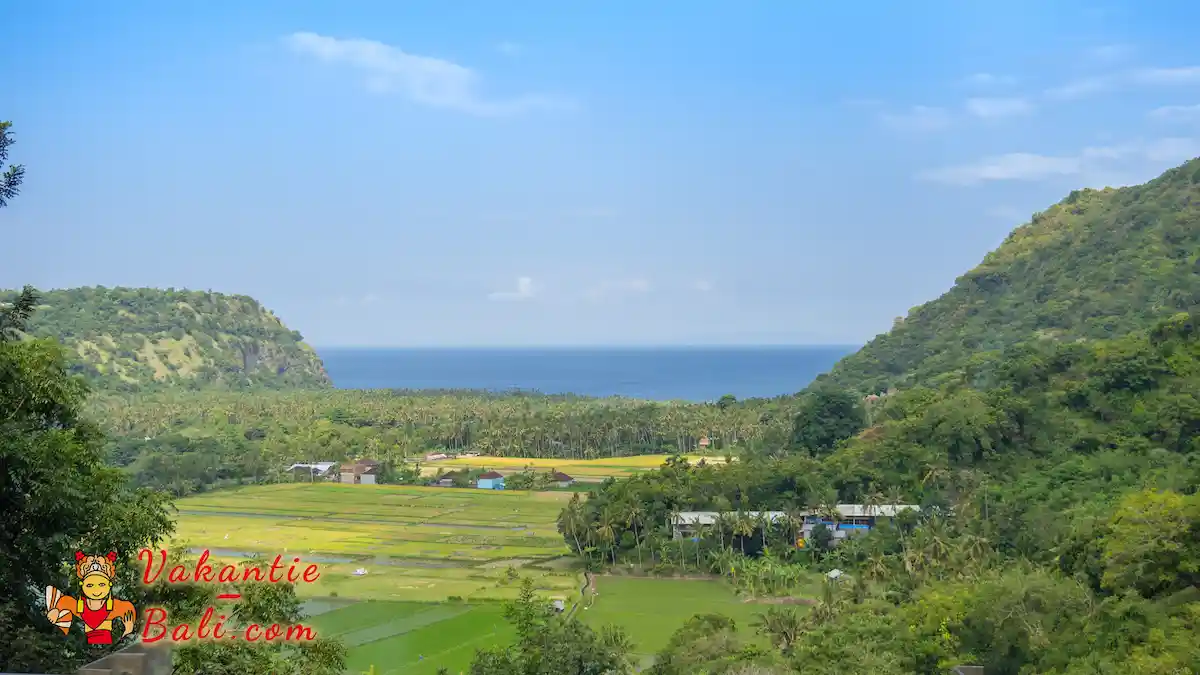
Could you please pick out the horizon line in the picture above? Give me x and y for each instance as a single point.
(738, 345)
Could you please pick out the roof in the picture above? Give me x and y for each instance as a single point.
(710, 517)
(845, 510)
(560, 477)
(366, 462)
(490, 475)
(319, 466)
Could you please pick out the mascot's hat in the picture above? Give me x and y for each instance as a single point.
(97, 567)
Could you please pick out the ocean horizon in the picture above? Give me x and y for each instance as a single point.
(689, 373)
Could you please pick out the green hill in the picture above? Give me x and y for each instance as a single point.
(1099, 264)
(138, 338)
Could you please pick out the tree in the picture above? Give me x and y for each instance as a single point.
(10, 180)
(57, 497)
(1153, 544)
(827, 417)
(551, 644)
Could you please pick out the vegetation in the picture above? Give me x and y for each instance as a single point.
(1058, 484)
(1097, 265)
(134, 339)
(59, 497)
(10, 180)
(190, 441)
(438, 543)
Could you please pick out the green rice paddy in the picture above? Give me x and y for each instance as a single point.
(437, 566)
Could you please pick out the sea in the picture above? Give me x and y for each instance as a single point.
(655, 373)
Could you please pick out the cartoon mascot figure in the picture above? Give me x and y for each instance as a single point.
(96, 606)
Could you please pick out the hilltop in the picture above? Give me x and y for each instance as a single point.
(1099, 264)
(138, 338)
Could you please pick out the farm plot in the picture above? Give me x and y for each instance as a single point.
(415, 543)
(584, 469)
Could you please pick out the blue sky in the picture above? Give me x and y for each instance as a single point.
(433, 173)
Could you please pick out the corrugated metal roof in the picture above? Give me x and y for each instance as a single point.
(844, 510)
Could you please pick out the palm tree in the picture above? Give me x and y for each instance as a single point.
(782, 626)
(633, 514)
(743, 527)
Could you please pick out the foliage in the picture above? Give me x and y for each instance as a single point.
(10, 180)
(57, 497)
(825, 418)
(261, 603)
(1099, 264)
(138, 339)
(549, 644)
(1058, 530)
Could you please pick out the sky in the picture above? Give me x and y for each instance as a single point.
(549, 173)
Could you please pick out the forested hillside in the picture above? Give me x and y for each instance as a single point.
(1099, 264)
(1059, 529)
(143, 338)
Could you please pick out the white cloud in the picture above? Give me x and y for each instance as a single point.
(1142, 76)
(525, 290)
(919, 118)
(988, 79)
(992, 108)
(1177, 113)
(369, 299)
(423, 79)
(1080, 88)
(1092, 163)
(1166, 76)
(703, 286)
(608, 289)
(1013, 166)
(509, 48)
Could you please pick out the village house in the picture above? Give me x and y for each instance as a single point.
(363, 471)
(850, 519)
(313, 471)
(561, 479)
(448, 479)
(490, 481)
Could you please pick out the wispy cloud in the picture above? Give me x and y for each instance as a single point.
(525, 290)
(369, 299)
(703, 286)
(1166, 76)
(1081, 88)
(993, 108)
(423, 79)
(919, 118)
(1176, 113)
(608, 289)
(1092, 161)
(509, 48)
(1148, 77)
(988, 79)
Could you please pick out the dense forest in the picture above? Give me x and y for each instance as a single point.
(162, 436)
(139, 339)
(1099, 264)
(1059, 530)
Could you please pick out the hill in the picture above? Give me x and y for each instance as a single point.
(138, 338)
(1099, 264)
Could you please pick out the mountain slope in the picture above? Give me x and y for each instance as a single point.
(1099, 264)
(127, 338)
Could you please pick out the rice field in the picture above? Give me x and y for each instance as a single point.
(415, 543)
(586, 469)
(437, 562)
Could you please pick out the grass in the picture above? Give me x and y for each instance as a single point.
(651, 610)
(617, 467)
(409, 637)
(416, 543)
(422, 547)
